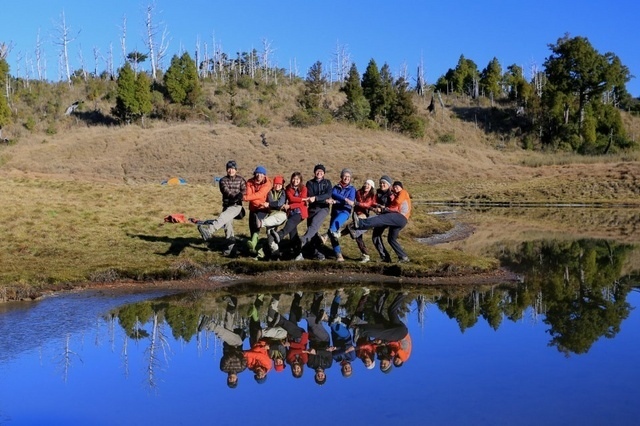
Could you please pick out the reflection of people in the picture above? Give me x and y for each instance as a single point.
(385, 330)
(233, 360)
(342, 350)
(319, 357)
(232, 187)
(297, 340)
(258, 360)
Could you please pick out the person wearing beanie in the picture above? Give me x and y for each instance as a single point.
(258, 360)
(258, 188)
(275, 203)
(343, 196)
(233, 187)
(318, 200)
(393, 211)
(365, 201)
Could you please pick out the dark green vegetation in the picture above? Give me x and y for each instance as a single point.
(573, 104)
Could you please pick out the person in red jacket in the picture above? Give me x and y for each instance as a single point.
(297, 210)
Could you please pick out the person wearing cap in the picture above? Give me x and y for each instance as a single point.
(365, 201)
(318, 200)
(232, 361)
(394, 214)
(343, 196)
(258, 188)
(232, 187)
(258, 360)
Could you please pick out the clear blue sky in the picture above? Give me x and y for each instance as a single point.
(402, 32)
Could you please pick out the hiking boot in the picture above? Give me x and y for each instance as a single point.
(339, 257)
(319, 256)
(335, 235)
(356, 222)
(205, 232)
(365, 291)
(275, 235)
(299, 257)
(352, 231)
(252, 242)
(324, 238)
(365, 258)
(230, 250)
(404, 260)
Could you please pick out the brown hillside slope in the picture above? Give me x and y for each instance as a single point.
(466, 168)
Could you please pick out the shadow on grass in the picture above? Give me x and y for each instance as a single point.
(178, 244)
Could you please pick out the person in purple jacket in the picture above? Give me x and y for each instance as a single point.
(343, 195)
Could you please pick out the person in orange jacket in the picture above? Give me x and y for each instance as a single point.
(258, 360)
(258, 188)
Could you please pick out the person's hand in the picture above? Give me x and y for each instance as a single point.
(349, 202)
(265, 204)
(311, 199)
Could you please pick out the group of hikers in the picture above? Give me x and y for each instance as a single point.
(283, 342)
(272, 205)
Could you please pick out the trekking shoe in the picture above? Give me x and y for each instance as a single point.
(365, 291)
(339, 257)
(319, 256)
(365, 258)
(335, 235)
(205, 232)
(356, 222)
(252, 242)
(230, 250)
(352, 231)
(274, 247)
(324, 238)
(275, 235)
(299, 257)
(337, 320)
(404, 260)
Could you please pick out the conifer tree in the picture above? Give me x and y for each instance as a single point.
(5, 111)
(356, 108)
(372, 88)
(491, 79)
(181, 80)
(126, 104)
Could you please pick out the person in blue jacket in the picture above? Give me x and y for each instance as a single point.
(343, 195)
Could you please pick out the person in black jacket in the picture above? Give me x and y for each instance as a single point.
(319, 199)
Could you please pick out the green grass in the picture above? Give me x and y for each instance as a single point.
(63, 232)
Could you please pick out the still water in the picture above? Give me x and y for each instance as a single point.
(561, 347)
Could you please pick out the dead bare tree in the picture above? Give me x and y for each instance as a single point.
(96, 58)
(341, 63)
(157, 49)
(123, 39)
(40, 62)
(267, 51)
(83, 69)
(63, 37)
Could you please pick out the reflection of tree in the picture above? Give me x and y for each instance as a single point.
(158, 346)
(462, 309)
(133, 316)
(183, 321)
(491, 308)
(578, 281)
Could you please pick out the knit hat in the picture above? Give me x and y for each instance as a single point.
(386, 179)
(260, 381)
(345, 172)
(279, 367)
(231, 164)
(260, 169)
(398, 183)
(371, 183)
(319, 167)
(278, 180)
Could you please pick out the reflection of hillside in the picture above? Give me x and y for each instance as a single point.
(497, 229)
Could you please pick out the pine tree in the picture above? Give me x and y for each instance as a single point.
(181, 80)
(126, 104)
(372, 88)
(491, 79)
(5, 111)
(356, 108)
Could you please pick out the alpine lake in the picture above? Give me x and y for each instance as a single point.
(560, 345)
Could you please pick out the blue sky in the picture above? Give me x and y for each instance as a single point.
(402, 33)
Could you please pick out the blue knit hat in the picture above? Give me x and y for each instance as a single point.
(260, 169)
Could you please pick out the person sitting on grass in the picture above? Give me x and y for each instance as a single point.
(365, 201)
(343, 195)
(296, 208)
(232, 187)
(258, 188)
(276, 200)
